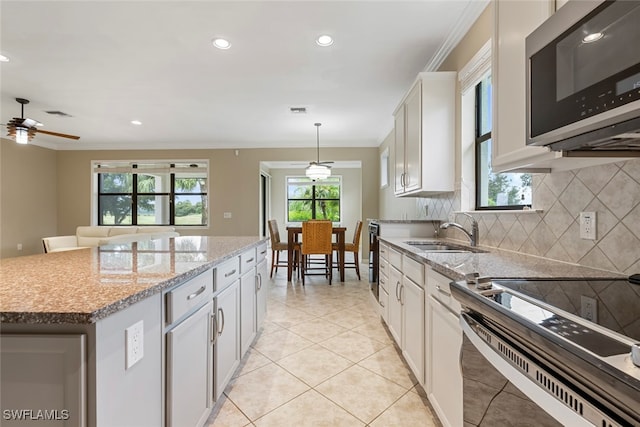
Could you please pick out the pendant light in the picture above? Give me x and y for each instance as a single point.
(318, 170)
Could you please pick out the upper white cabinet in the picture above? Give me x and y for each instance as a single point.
(514, 21)
(425, 136)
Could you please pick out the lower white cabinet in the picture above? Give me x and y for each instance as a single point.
(190, 369)
(395, 306)
(262, 277)
(227, 341)
(248, 299)
(444, 376)
(412, 300)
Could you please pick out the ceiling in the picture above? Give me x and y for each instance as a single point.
(106, 63)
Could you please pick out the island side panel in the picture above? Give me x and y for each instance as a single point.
(130, 396)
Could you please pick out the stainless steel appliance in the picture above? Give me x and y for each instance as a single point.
(583, 79)
(527, 347)
(374, 257)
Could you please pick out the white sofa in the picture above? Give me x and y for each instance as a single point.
(90, 236)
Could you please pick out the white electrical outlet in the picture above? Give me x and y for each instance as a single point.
(588, 225)
(134, 344)
(589, 308)
(227, 215)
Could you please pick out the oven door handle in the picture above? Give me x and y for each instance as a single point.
(536, 393)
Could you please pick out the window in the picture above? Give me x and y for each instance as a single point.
(494, 190)
(307, 199)
(150, 193)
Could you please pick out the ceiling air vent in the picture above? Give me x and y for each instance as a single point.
(298, 110)
(58, 113)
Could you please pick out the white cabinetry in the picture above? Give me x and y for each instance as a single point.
(444, 377)
(406, 309)
(227, 343)
(425, 136)
(248, 300)
(190, 369)
(189, 351)
(261, 286)
(513, 21)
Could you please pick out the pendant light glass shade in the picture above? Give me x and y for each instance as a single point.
(22, 135)
(318, 172)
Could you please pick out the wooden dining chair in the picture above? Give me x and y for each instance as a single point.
(353, 247)
(277, 246)
(316, 240)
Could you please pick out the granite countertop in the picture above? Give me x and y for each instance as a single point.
(496, 263)
(85, 285)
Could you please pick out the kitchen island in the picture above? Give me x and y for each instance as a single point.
(106, 336)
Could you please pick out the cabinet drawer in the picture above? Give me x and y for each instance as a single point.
(261, 252)
(438, 287)
(414, 270)
(384, 267)
(226, 273)
(384, 251)
(395, 258)
(247, 260)
(383, 300)
(190, 294)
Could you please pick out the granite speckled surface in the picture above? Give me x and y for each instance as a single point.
(86, 285)
(496, 263)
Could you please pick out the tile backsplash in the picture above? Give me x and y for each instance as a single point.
(552, 228)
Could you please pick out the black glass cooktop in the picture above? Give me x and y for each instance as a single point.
(577, 332)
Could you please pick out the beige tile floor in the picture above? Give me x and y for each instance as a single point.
(322, 358)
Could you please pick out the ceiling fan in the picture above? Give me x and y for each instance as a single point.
(23, 129)
(318, 170)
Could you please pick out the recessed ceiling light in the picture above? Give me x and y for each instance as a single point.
(136, 122)
(593, 37)
(221, 43)
(4, 58)
(324, 40)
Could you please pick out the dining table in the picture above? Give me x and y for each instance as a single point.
(292, 237)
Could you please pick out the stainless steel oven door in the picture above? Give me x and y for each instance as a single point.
(503, 386)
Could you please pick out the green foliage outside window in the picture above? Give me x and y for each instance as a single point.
(307, 199)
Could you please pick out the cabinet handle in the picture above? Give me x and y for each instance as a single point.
(249, 260)
(397, 294)
(260, 281)
(381, 303)
(196, 293)
(442, 291)
(401, 293)
(382, 282)
(263, 252)
(221, 311)
(231, 273)
(214, 329)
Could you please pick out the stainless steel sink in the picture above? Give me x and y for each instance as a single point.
(427, 246)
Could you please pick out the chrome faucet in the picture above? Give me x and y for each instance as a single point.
(473, 236)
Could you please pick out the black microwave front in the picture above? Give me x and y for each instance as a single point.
(583, 77)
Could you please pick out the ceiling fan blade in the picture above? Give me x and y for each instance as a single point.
(328, 162)
(62, 135)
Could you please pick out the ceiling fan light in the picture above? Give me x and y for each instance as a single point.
(22, 136)
(316, 172)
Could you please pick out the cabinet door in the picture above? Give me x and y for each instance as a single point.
(227, 347)
(513, 22)
(262, 292)
(413, 139)
(383, 300)
(399, 154)
(444, 379)
(395, 308)
(189, 369)
(248, 307)
(412, 300)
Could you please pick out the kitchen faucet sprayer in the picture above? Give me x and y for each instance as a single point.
(473, 236)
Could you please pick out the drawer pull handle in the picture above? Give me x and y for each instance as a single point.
(263, 252)
(196, 293)
(214, 329)
(442, 291)
(231, 273)
(221, 311)
(249, 260)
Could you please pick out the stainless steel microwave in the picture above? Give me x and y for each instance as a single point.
(583, 78)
